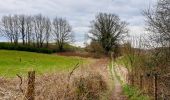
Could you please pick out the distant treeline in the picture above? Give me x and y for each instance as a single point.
(37, 31)
(52, 48)
(20, 47)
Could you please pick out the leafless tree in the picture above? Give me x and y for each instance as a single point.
(22, 28)
(158, 21)
(36, 30)
(16, 35)
(47, 31)
(6, 28)
(39, 28)
(62, 32)
(108, 30)
(9, 28)
(158, 26)
(29, 38)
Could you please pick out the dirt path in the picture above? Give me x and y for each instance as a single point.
(101, 66)
(117, 93)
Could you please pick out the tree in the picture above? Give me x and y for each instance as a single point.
(6, 28)
(158, 21)
(9, 28)
(47, 31)
(39, 28)
(108, 30)
(62, 32)
(22, 28)
(29, 30)
(15, 26)
(158, 27)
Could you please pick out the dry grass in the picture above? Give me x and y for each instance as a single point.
(84, 84)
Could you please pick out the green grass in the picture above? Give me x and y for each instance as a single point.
(19, 62)
(131, 92)
(134, 93)
(125, 60)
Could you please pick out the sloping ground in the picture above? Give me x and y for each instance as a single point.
(52, 86)
(19, 62)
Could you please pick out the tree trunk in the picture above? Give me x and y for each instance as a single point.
(61, 47)
(155, 86)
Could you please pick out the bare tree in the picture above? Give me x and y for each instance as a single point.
(29, 30)
(158, 21)
(39, 28)
(108, 30)
(36, 30)
(47, 31)
(6, 29)
(15, 25)
(9, 28)
(158, 26)
(22, 28)
(62, 32)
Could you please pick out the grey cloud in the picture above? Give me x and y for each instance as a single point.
(80, 12)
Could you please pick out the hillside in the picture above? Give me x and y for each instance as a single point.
(19, 62)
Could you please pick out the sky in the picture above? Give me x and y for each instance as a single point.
(79, 13)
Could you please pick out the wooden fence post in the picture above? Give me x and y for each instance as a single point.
(141, 81)
(155, 86)
(31, 86)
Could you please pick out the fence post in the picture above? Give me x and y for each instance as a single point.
(141, 81)
(31, 86)
(155, 86)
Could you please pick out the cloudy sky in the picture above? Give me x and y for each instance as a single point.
(80, 12)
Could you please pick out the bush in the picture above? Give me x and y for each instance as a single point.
(90, 87)
(96, 49)
(9, 46)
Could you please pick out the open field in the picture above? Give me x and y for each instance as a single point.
(96, 83)
(17, 62)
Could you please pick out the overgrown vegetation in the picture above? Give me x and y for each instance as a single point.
(90, 87)
(83, 84)
(132, 91)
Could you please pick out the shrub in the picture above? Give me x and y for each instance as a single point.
(96, 49)
(89, 87)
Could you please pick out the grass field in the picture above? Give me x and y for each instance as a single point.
(19, 62)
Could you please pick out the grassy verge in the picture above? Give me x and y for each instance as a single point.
(19, 62)
(133, 93)
(106, 96)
